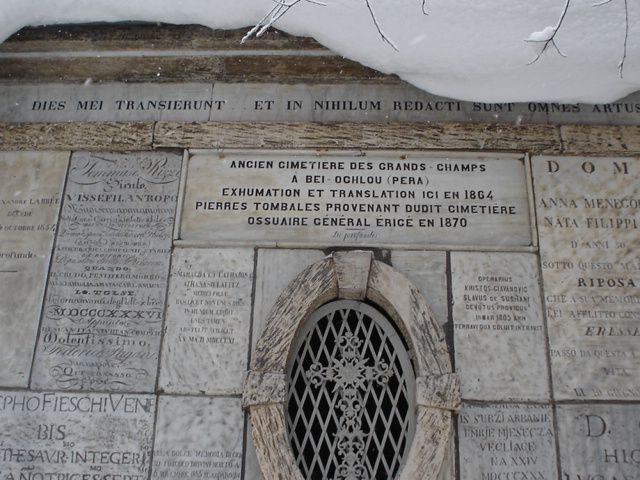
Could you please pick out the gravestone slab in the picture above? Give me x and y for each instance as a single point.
(31, 186)
(588, 212)
(498, 326)
(48, 435)
(506, 441)
(428, 272)
(346, 200)
(104, 306)
(198, 438)
(206, 344)
(607, 435)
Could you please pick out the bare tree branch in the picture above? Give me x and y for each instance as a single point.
(280, 8)
(626, 33)
(545, 37)
(548, 36)
(377, 24)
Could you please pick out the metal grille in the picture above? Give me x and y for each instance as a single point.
(350, 413)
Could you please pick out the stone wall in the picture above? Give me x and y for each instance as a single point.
(141, 254)
(127, 333)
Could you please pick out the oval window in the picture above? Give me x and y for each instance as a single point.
(350, 398)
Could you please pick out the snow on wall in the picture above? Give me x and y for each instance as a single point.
(466, 49)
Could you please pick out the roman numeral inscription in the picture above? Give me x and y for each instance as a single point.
(103, 311)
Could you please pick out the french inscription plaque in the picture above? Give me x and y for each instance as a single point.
(606, 436)
(506, 442)
(374, 200)
(30, 193)
(206, 344)
(103, 310)
(198, 438)
(588, 212)
(84, 436)
(498, 326)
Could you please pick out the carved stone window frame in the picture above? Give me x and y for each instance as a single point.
(352, 275)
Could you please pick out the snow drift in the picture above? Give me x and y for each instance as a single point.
(490, 50)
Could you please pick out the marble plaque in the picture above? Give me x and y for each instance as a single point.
(349, 102)
(83, 436)
(506, 442)
(588, 215)
(206, 344)
(428, 272)
(599, 442)
(119, 102)
(400, 103)
(31, 186)
(198, 438)
(275, 269)
(104, 305)
(498, 326)
(340, 199)
(357, 102)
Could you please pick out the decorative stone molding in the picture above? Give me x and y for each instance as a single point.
(439, 392)
(352, 275)
(262, 388)
(352, 269)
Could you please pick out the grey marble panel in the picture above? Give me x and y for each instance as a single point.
(341, 199)
(507, 442)
(251, 464)
(119, 102)
(345, 103)
(588, 215)
(359, 102)
(48, 435)
(275, 269)
(401, 103)
(198, 438)
(599, 441)
(104, 305)
(31, 186)
(206, 344)
(428, 272)
(499, 332)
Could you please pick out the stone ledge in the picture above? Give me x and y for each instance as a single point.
(594, 140)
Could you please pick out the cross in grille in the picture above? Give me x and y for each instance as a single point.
(350, 375)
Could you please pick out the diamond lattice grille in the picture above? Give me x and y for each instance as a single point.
(350, 412)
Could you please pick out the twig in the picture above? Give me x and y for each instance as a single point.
(281, 7)
(626, 33)
(380, 31)
(551, 40)
(626, 37)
